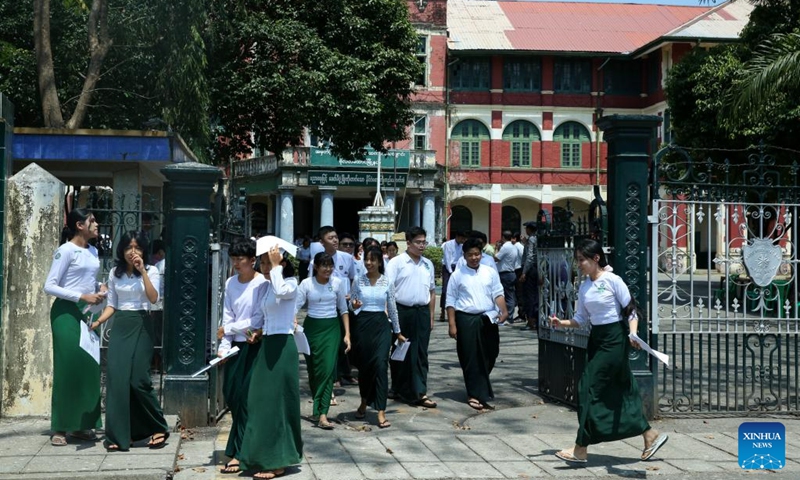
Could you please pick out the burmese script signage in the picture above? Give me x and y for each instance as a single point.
(322, 157)
(348, 178)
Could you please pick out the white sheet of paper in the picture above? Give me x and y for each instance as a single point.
(661, 357)
(233, 351)
(400, 352)
(263, 245)
(301, 341)
(90, 342)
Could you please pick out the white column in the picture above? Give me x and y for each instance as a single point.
(415, 211)
(429, 214)
(287, 214)
(326, 206)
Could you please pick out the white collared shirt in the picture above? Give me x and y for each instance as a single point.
(413, 281)
(324, 300)
(473, 291)
(506, 257)
(241, 302)
(486, 259)
(127, 292)
(73, 272)
(601, 301)
(275, 313)
(520, 250)
(451, 252)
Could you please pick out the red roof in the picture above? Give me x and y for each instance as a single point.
(562, 26)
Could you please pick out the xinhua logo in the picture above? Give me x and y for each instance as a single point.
(762, 445)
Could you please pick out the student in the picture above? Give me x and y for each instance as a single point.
(132, 409)
(372, 296)
(238, 313)
(475, 292)
(609, 404)
(326, 298)
(75, 405)
(272, 439)
(451, 252)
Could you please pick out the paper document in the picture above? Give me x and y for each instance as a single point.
(263, 245)
(301, 341)
(661, 357)
(233, 351)
(90, 342)
(400, 350)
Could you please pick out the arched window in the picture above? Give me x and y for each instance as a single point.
(521, 134)
(460, 219)
(571, 135)
(470, 134)
(511, 219)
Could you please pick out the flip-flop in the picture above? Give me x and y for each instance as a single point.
(384, 424)
(426, 402)
(568, 457)
(58, 440)
(659, 442)
(360, 415)
(273, 473)
(158, 442)
(325, 426)
(474, 403)
(230, 468)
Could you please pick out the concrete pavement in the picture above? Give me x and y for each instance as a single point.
(517, 440)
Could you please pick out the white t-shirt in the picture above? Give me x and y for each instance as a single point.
(73, 272)
(127, 291)
(324, 300)
(275, 312)
(473, 291)
(241, 299)
(601, 301)
(413, 281)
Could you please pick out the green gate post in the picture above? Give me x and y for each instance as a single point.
(630, 140)
(6, 132)
(188, 220)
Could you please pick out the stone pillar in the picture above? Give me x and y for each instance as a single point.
(287, 214)
(415, 217)
(429, 214)
(326, 206)
(188, 212)
(495, 214)
(631, 139)
(6, 134)
(35, 217)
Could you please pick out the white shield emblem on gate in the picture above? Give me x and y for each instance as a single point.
(762, 259)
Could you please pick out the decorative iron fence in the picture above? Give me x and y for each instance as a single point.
(724, 284)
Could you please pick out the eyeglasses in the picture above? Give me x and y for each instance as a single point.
(347, 244)
(420, 243)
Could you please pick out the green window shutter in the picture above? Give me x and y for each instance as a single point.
(521, 134)
(571, 136)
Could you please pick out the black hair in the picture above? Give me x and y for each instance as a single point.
(243, 248)
(344, 235)
(415, 232)
(515, 235)
(479, 235)
(459, 233)
(588, 248)
(305, 239)
(507, 235)
(121, 266)
(157, 246)
(286, 262)
(377, 256)
(324, 231)
(77, 215)
(392, 244)
(370, 242)
(470, 243)
(321, 259)
(384, 243)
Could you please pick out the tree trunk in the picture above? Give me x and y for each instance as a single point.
(51, 106)
(99, 44)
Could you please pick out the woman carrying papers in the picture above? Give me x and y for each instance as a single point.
(609, 405)
(132, 409)
(325, 295)
(241, 302)
(475, 294)
(76, 375)
(372, 296)
(271, 440)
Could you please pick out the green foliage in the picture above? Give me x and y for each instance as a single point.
(342, 68)
(435, 255)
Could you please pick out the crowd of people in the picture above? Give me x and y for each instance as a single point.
(363, 303)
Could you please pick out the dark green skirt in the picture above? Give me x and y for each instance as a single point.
(132, 409)
(410, 377)
(76, 376)
(324, 336)
(237, 381)
(478, 345)
(375, 335)
(272, 435)
(609, 404)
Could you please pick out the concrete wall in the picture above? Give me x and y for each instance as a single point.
(32, 228)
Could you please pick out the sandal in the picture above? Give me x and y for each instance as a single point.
(384, 424)
(158, 440)
(269, 474)
(659, 442)
(360, 414)
(325, 425)
(112, 447)
(58, 440)
(569, 457)
(426, 402)
(231, 467)
(475, 403)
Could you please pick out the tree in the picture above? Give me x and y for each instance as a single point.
(343, 69)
